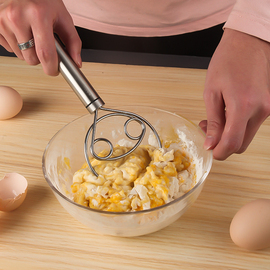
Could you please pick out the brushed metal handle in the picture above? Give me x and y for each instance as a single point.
(76, 79)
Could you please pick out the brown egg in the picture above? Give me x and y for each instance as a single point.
(13, 189)
(250, 227)
(10, 102)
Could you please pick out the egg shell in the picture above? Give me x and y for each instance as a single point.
(250, 227)
(11, 102)
(13, 190)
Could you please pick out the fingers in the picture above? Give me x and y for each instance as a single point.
(45, 50)
(5, 44)
(9, 41)
(226, 124)
(45, 42)
(235, 138)
(232, 137)
(15, 29)
(238, 75)
(71, 39)
(240, 128)
(29, 55)
(250, 132)
(42, 28)
(253, 126)
(23, 20)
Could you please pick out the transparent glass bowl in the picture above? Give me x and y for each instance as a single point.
(64, 155)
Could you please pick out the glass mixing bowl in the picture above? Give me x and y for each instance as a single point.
(64, 155)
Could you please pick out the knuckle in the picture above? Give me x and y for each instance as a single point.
(46, 56)
(13, 14)
(241, 150)
(48, 59)
(213, 125)
(35, 10)
(233, 145)
(208, 93)
(50, 69)
(248, 103)
(51, 72)
(16, 15)
(266, 107)
(32, 60)
(255, 104)
(212, 95)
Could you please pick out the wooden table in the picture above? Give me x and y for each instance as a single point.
(42, 235)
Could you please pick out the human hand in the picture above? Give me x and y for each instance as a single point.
(21, 20)
(236, 94)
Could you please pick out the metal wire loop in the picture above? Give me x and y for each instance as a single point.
(92, 130)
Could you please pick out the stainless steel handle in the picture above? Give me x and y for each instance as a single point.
(78, 82)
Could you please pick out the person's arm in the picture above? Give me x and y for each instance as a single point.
(22, 20)
(237, 93)
(237, 87)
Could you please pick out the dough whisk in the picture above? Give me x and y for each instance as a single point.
(93, 103)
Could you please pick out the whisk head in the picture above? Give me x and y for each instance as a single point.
(91, 140)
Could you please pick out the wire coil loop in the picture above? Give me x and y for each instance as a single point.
(92, 131)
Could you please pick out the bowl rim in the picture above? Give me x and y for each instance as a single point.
(199, 183)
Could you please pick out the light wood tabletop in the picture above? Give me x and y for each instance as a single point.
(40, 234)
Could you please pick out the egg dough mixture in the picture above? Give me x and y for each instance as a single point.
(147, 178)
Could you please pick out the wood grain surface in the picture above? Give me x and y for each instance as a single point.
(42, 235)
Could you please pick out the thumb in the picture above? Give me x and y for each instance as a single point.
(214, 131)
(203, 126)
(215, 111)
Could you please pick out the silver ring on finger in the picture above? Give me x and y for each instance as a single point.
(26, 45)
